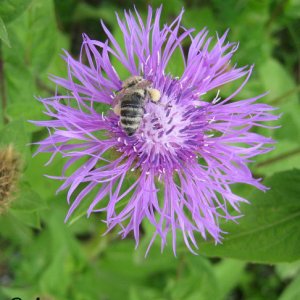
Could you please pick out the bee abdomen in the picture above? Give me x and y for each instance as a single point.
(136, 99)
(129, 121)
(132, 111)
(130, 124)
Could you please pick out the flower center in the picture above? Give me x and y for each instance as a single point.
(169, 135)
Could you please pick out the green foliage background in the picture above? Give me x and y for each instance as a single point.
(42, 256)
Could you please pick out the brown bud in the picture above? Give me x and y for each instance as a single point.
(9, 171)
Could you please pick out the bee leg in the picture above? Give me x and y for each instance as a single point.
(117, 109)
(154, 94)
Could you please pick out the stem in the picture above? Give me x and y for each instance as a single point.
(284, 95)
(2, 88)
(297, 45)
(276, 12)
(278, 158)
(180, 267)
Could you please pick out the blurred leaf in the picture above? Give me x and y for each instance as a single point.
(269, 231)
(119, 271)
(207, 286)
(86, 11)
(145, 293)
(175, 65)
(47, 265)
(28, 206)
(199, 18)
(197, 282)
(286, 156)
(276, 79)
(58, 65)
(292, 9)
(3, 33)
(55, 278)
(11, 9)
(14, 133)
(292, 292)
(28, 201)
(61, 235)
(228, 274)
(290, 124)
(288, 270)
(33, 40)
(169, 8)
(251, 17)
(13, 293)
(65, 11)
(34, 36)
(36, 171)
(14, 231)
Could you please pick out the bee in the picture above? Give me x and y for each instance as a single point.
(131, 101)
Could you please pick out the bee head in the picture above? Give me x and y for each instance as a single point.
(137, 82)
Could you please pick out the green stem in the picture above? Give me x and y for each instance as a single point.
(296, 41)
(180, 266)
(276, 12)
(278, 158)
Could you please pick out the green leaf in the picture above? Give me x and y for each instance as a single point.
(284, 157)
(255, 46)
(269, 232)
(14, 231)
(175, 65)
(85, 11)
(27, 206)
(29, 201)
(11, 9)
(36, 171)
(288, 270)
(13, 292)
(276, 79)
(55, 279)
(33, 41)
(120, 271)
(15, 134)
(145, 293)
(292, 9)
(292, 292)
(169, 7)
(196, 281)
(228, 274)
(200, 18)
(3, 33)
(34, 36)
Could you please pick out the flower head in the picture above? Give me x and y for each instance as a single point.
(185, 153)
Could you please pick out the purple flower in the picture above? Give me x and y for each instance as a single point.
(186, 153)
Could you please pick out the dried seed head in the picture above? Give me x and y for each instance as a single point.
(9, 171)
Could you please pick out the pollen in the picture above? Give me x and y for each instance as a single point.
(154, 94)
